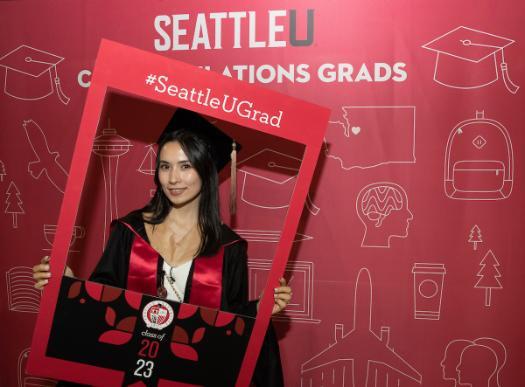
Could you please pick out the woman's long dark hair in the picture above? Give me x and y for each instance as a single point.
(199, 154)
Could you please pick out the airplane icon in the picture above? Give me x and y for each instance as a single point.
(361, 357)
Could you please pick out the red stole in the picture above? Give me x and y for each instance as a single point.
(206, 283)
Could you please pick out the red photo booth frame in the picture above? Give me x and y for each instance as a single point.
(124, 69)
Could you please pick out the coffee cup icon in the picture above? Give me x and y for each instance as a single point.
(428, 290)
(50, 231)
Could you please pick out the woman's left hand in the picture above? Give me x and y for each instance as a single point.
(282, 296)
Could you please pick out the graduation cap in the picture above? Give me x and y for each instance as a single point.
(269, 180)
(223, 148)
(469, 59)
(31, 74)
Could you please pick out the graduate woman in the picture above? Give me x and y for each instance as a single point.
(176, 246)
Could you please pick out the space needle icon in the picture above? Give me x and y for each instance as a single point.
(109, 146)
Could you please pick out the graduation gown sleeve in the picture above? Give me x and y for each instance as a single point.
(112, 268)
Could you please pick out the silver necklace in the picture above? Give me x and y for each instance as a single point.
(171, 281)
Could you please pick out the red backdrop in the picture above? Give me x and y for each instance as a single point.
(408, 263)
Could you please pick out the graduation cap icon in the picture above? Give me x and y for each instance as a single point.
(31, 74)
(269, 179)
(470, 59)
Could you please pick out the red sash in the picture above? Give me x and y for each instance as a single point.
(206, 283)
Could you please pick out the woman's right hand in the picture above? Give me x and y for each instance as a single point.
(42, 273)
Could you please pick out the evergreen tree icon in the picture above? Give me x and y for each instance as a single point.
(475, 236)
(489, 276)
(13, 203)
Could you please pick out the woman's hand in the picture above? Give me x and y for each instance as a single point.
(282, 296)
(41, 273)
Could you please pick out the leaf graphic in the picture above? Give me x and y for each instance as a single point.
(115, 337)
(239, 326)
(184, 351)
(186, 310)
(208, 315)
(198, 335)
(224, 319)
(133, 299)
(180, 335)
(110, 316)
(74, 289)
(94, 290)
(110, 293)
(127, 324)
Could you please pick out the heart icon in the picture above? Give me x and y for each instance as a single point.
(356, 130)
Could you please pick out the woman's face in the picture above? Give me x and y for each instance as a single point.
(179, 180)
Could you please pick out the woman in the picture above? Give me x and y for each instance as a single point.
(180, 236)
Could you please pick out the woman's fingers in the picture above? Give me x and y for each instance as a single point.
(42, 267)
(282, 296)
(285, 296)
(278, 306)
(283, 290)
(41, 273)
(40, 284)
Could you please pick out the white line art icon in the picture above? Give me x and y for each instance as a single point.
(276, 172)
(31, 74)
(361, 357)
(479, 160)
(46, 162)
(148, 164)
(489, 276)
(79, 232)
(474, 362)
(268, 236)
(383, 209)
(21, 293)
(475, 237)
(470, 59)
(3, 173)
(109, 146)
(300, 276)
(353, 140)
(25, 380)
(13, 203)
(428, 290)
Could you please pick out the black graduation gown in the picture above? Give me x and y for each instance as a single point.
(112, 269)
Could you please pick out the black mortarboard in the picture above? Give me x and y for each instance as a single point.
(224, 148)
(220, 143)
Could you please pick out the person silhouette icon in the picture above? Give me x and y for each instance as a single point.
(501, 355)
(478, 365)
(451, 359)
(383, 209)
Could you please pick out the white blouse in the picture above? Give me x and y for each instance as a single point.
(175, 279)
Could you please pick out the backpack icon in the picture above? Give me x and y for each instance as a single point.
(479, 162)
